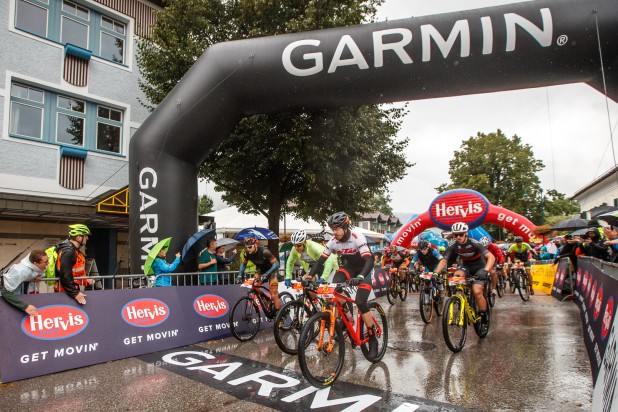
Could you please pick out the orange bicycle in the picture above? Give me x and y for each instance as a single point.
(321, 349)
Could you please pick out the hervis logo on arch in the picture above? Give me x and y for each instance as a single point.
(55, 322)
(458, 205)
(145, 312)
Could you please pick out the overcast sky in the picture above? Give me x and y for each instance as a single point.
(567, 126)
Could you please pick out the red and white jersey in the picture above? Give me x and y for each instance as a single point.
(351, 252)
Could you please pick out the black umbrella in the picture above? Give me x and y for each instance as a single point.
(574, 224)
(196, 244)
(611, 217)
(597, 211)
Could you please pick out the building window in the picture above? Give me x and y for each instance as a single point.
(615, 202)
(31, 17)
(67, 22)
(26, 111)
(112, 40)
(66, 120)
(109, 129)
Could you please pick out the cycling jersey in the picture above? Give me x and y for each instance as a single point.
(261, 258)
(495, 250)
(312, 250)
(429, 260)
(352, 252)
(471, 252)
(396, 260)
(520, 252)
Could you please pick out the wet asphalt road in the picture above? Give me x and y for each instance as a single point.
(533, 359)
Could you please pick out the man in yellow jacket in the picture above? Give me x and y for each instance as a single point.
(304, 248)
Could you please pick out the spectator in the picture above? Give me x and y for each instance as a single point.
(208, 263)
(160, 266)
(223, 264)
(31, 268)
(594, 245)
(71, 262)
(568, 249)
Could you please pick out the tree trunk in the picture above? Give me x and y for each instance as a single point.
(274, 213)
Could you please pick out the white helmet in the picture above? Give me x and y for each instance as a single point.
(485, 241)
(459, 227)
(299, 237)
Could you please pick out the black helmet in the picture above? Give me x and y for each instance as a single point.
(339, 219)
(519, 239)
(423, 244)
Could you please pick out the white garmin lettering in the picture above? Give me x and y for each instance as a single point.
(543, 36)
(316, 57)
(460, 29)
(398, 47)
(144, 182)
(357, 57)
(488, 35)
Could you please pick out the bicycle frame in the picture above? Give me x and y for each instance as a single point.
(463, 291)
(260, 295)
(334, 308)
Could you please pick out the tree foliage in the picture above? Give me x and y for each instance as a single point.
(205, 205)
(505, 171)
(308, 163)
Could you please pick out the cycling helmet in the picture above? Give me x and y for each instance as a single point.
(78, 230)
(250, 239)
(519, 239)
(442, 249)
(339, 219)
(319, 237)
(485, 241)
(423, 244)
(299, 237)
(459, 227)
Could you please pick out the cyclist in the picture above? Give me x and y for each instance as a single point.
(351, 246)
(426, 256)
(396, 258)
(476, 261)
(305, 248)
(499, 256)
(522, 251)
(266, 265)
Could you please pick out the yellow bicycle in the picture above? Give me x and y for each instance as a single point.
(459, 311)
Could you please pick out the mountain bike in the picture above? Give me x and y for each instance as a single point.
(501, 285)
(430, 297)
(245, 316)
(321, 355)
(292, 316)
(521, 280)
(396, 287)
(461, 310)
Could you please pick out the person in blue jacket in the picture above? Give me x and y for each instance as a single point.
(160, 266)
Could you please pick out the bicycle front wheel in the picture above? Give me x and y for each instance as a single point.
(288, 325)
(455, 324)
(320, 363)
(426, 305)
(522, 285)
(403, 292)
(391, 292)
(379, 319)
(501, 286)
(245, 319)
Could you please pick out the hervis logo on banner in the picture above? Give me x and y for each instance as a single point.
(598, 302)
(608, 317)
(55, 322)
(458, 205)
(145, 312)
(211, 306)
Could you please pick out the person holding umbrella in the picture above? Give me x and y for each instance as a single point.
(160, 266)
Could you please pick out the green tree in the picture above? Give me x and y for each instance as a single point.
(505, 171)
(381, 203)
(205, 205)
(312, 162)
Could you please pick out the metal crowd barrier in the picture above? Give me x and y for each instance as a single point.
(113, 282)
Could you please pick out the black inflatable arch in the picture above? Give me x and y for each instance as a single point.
(514, 46)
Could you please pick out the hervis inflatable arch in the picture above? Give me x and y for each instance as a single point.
(514, 46)
(463, 205)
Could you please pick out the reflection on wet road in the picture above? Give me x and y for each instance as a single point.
(533, 359)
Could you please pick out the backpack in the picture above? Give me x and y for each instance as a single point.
(50, 270)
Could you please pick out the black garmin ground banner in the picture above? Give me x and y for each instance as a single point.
(514, 46)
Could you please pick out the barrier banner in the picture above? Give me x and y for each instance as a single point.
(594, 294)
(563, 271)
(116, 324)
(543, 277)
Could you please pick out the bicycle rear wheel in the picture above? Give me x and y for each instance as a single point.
(320, 366)
(288, 325)
(438, 303)
(455, 324)
(522, 286)
(477, 325)
(285, 297)
(391, 292)
(501, 286)
(491, 298)
(245, 319)
(379, 318)
(426, 304)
